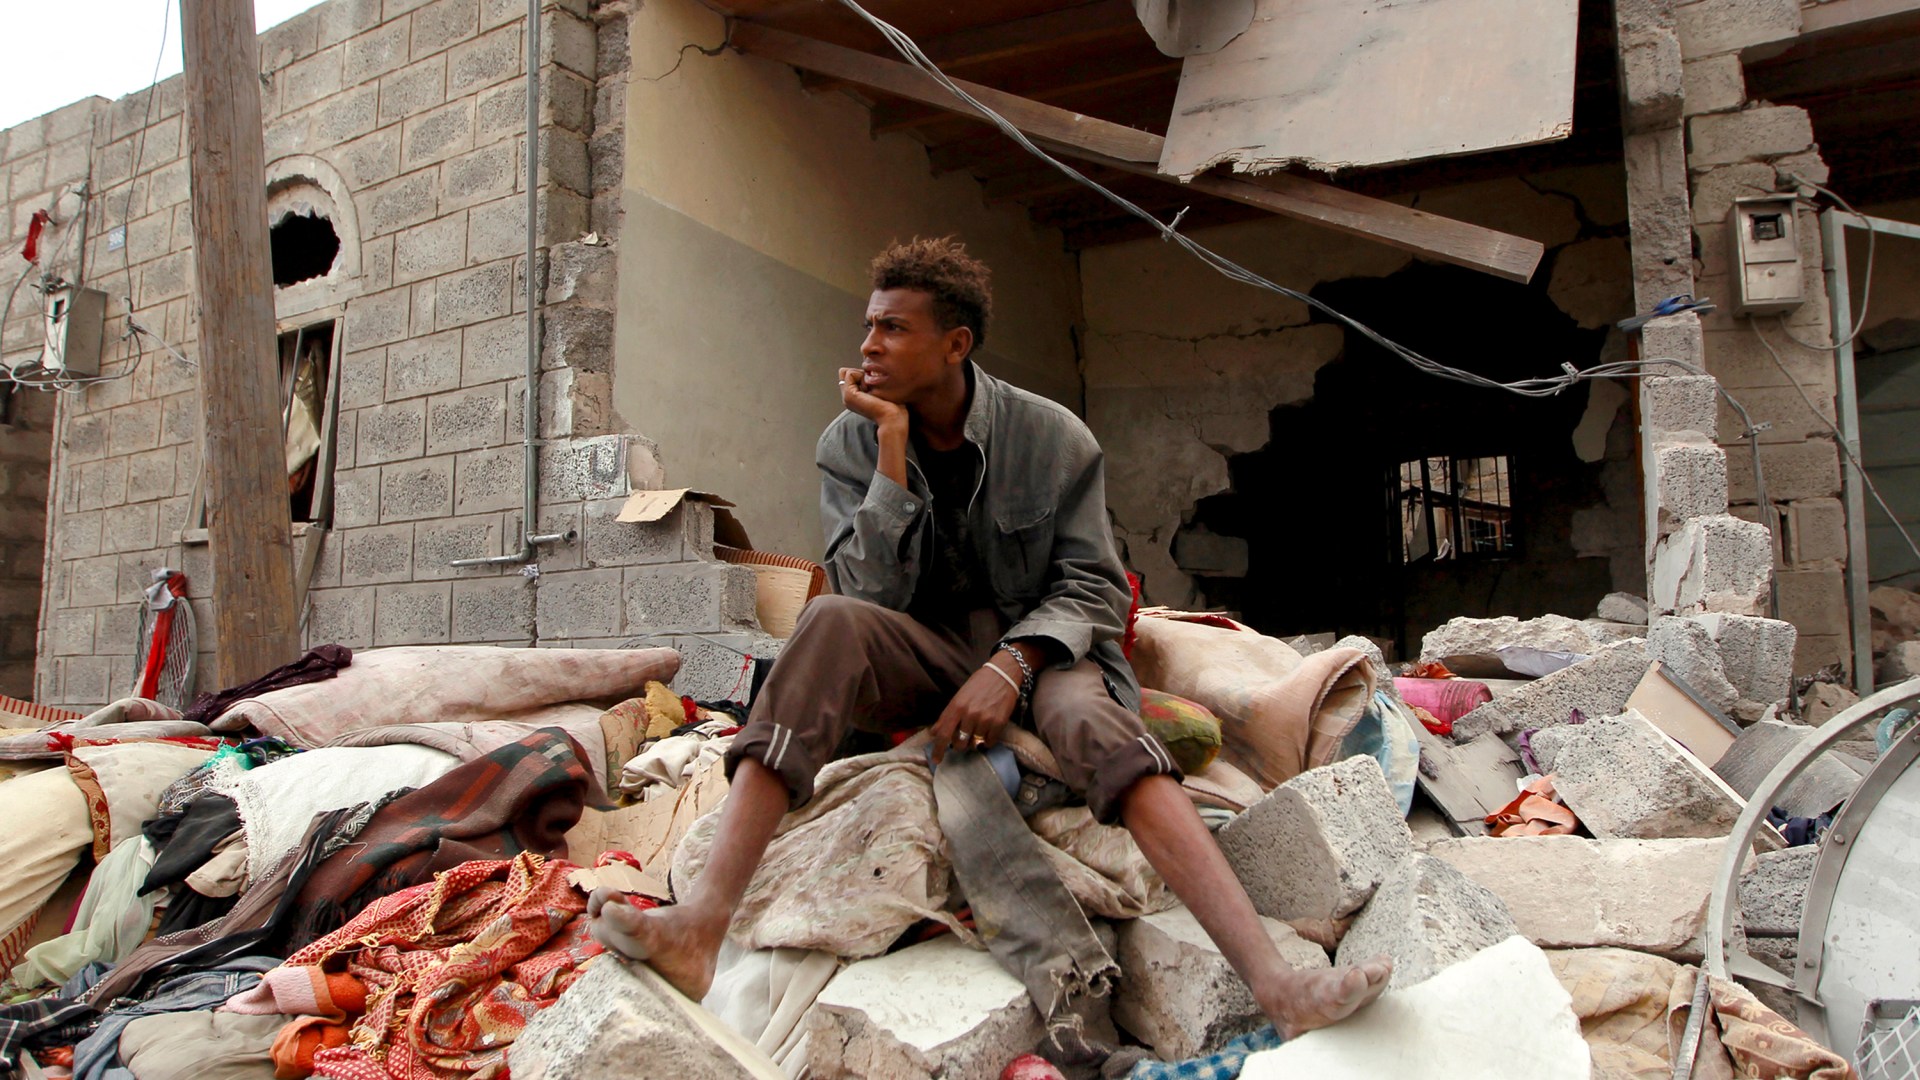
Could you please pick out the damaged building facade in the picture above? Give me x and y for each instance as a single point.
(704, 214)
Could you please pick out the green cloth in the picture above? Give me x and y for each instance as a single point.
(1188, 729)
(111, 921)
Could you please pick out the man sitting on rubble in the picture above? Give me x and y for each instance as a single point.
(968, 543)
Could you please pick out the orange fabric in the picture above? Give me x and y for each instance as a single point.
(294, 1047)
(1536, 811)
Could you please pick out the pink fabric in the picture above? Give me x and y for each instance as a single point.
(295, 991)
(1447, 699)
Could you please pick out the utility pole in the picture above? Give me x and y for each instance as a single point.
(249, 527)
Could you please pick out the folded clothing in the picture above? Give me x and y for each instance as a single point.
(298, 1042)
(201, 1045)
(302, 991)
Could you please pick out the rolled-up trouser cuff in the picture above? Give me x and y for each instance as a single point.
(775, 746)
(1125, 766)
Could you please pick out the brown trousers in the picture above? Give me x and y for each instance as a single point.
(855, 665)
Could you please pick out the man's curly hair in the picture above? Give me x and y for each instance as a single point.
(961, 285)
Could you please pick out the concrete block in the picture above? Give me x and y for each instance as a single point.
(1750, 135)
(467, 419)
(1773, 893)
(131, 528)
(1815, 601)
(1823, 701)
(570, 42)
(1816, 533)
(356, 498)
(134, 427)
(374, 53)
(936, 1009)
(1650, 79)
(486, 60)
(437, 247)
(563, 160)
(584, 468)
(1794, 471)
(417, 489)
(89, 682)
(1619, 607)
(437, 134)
(437, 543)
(395, 432)
(1714, 84)
(442, 24)
(1690, 481)
(690, 597)
(619, 1021)
(580, 604)
(347, 116)
(498, 230)
(376, 555)
(1715, 190)
(1520, 1023)
(1427, 916)
(482, 175)
(1718, 563)
(411, 614)
(1465, 636)
(413, 89)
(1318, 845)
(502, 110)
(1688, 650)
(1902, 662)
(475, 295)
(579, 337)
(1626, 778)
(489, 480)
(1756, 653)
(494, 609)
(307, 81)
(340, 616)
(1817, 652)
(344, 19)
(1597, 686)
(610, 542)
(150, 475)
(1568, 892)
(417, 366)
(368, 160)
(585, 272)
(1718, 26)
(377, 320)
(1179, 995)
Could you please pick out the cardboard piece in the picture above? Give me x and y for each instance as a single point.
(643, 507)
(1666, 700)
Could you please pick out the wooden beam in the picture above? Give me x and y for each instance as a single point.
(1098, 21)
(1132, 150)
(255, 623)
(902, 116)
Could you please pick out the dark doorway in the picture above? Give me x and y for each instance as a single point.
(1325, 505)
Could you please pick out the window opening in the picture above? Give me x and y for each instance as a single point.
(1454, 507)
(306, 383)
(304, 247)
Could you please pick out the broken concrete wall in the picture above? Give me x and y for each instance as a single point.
(1696, 142)
(405, 126)
(44, 161)
(761, 205)
(1202, 390)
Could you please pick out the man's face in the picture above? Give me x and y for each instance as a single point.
(906, 355)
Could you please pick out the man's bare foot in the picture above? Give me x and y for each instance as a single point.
(679, 942)
(1300, 1001)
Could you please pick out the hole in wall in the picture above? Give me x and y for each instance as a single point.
(304, 246)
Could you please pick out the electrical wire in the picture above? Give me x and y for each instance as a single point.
(1537, 387)
(1866, 285)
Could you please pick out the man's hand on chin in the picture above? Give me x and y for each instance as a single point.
(977, 714)
(854, 395)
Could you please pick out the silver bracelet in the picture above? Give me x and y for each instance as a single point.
(1026, 669)
(995, 668)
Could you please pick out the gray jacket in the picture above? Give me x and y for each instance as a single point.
(1040, 513)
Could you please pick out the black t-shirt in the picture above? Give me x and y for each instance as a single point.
(953, 582)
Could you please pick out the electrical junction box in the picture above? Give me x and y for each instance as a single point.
(76, 323)
(1765, 251)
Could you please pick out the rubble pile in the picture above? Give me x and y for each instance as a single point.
(1532, 866)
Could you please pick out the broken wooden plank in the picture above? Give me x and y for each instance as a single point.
(1333, 85)
(1469, 781)
(1132, 150)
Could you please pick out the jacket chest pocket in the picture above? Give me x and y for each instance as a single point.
(1023, 551)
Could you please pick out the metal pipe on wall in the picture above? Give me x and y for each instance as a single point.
(530, 425)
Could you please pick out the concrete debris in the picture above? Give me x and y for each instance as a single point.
(1823, 701)
(1898, 608)
(1688, 650)
(1716, 562)
(935, 1009)
(1308, 644)
(1756, 653)
(1500, 1012)
(1179, 995)
(622, 1020)
(1622, 607)
(1485, 637)
(1371, 648)
(1427, 916)
(1570, 892)
(1626, 778)
(1318, 844)
(1901, 663)
(1597, 686)
(1773, 893)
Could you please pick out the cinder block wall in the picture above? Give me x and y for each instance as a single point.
(413, 115)
(43, 166)
(1739, 147)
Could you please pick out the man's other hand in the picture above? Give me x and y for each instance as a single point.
(887, 415)
(977, 714)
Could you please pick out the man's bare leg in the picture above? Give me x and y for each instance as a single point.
(1177, 843)
(682, 940)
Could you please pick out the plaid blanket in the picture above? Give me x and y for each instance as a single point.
(521, 797)
(1225, 1064)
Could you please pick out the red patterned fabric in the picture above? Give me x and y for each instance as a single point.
(455, 968)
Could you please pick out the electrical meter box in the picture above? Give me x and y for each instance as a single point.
(1764, 246)
(76, 322)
